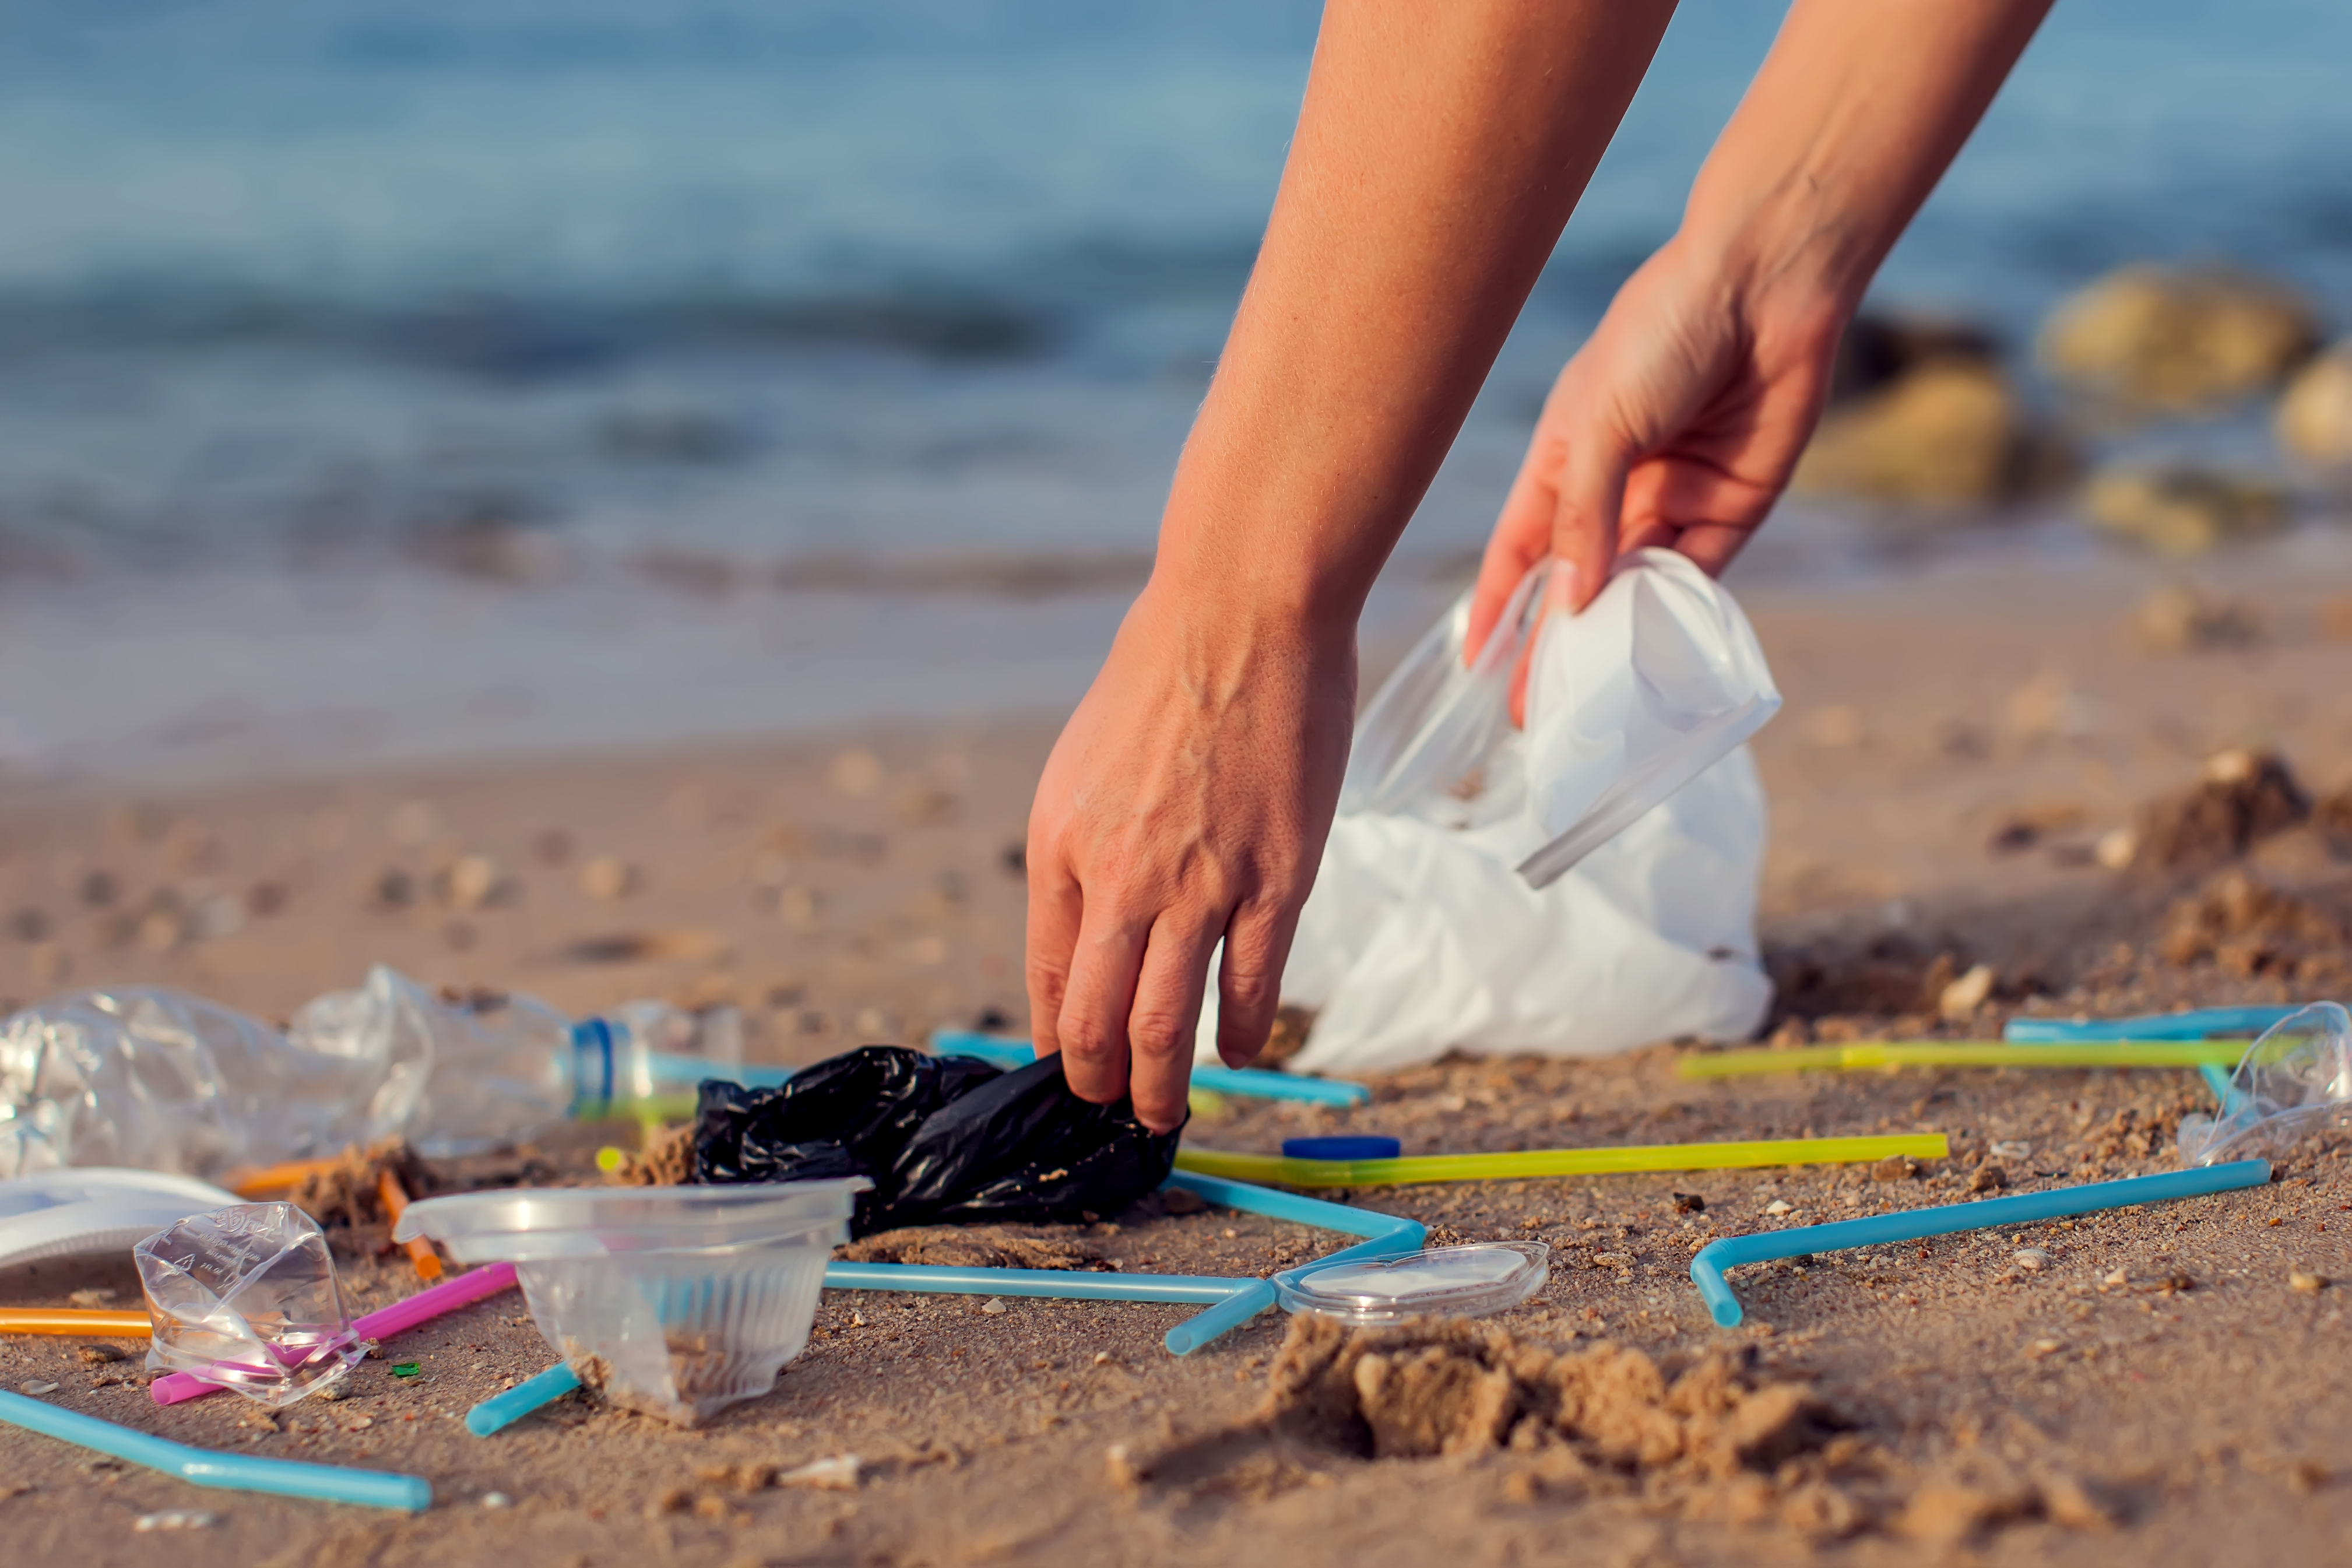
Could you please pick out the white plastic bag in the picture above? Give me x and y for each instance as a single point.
(1582, 887)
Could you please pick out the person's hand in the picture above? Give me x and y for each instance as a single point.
(1677, 423)
(1185, 804)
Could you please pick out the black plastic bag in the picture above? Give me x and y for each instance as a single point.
(945, 1139)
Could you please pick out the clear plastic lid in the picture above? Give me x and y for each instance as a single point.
(520, 1223)
(1471, 1281)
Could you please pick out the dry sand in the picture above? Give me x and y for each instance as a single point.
(2156, 1388)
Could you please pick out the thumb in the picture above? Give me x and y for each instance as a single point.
(1584, 524)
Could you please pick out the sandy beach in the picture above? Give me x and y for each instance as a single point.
(1951, 758)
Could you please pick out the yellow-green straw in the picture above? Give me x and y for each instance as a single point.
(1531, 1163)
(1863, 1054)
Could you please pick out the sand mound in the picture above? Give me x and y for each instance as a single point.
(346, 1192)
(665, 1159)
(977, 1247)
(2243, 796)
(2249, 929)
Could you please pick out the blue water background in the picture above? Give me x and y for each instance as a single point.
(640, 297)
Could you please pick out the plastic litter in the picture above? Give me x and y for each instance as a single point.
(2203, 1024)
(1580, 888)
(395, 1199)
(678, 1301)
(1248, 1083)
(157, 1080)
(1472, 1282)
(207, 1467)
(74, 1320)
(501, 1411)
(1909, 1225)
(381, 1324)
(942, 1140)
(1869, 1055)
(247, 1296)
(67, 1214)
(1537, 1162)
(2294, 1081)
(1362, 1147)
(1230, 1302)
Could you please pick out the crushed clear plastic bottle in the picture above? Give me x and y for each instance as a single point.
(161, 1081)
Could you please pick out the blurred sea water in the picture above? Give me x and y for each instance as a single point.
(386, 381)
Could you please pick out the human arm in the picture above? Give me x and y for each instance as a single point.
(1681, 418)
(1440, 149)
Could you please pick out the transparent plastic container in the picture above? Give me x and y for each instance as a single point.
(2294, 1081)
(677, 1302)
(248, 1297)
(67, 1213)
(1472, 1282)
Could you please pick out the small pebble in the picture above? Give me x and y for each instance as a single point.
(607, 878)
(176, 1518)
(98, 1355)
(91, 1300)
(838, 1473)
(36, 1386)
(496, 1500)
(2029, 1258)
(2117, 1277)
(992, 1307)
(1779, 1205)
(2307, 1283)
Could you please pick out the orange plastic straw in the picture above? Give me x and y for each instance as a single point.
(270, 1180)
(75, 1320)
(420, 1251)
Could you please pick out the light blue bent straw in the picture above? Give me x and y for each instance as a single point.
(204, 1467)
(1944, 1219)
(1390, 1235)
(500, 1410)
(1247, 1082)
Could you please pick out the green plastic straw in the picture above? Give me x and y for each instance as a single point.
(1536, 1163)
(1945, 1219)
(500, 1410)
(1868, 1054)
(204, 1467)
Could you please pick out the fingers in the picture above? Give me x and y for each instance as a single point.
(1712, 546)
(1092, 1028)
(1585, 522)
(1055, 909)
(1166, 1017)
(1249, 981)
(1522, 537)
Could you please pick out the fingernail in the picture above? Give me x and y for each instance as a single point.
(1559, 588)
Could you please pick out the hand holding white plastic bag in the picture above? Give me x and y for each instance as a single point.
(1583, 888)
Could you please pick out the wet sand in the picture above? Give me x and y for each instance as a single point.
(1948, 761)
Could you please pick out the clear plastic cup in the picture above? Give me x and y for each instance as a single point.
(677, 1302)
(1474, 1280)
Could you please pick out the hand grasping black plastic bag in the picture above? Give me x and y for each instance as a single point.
(945, 1139)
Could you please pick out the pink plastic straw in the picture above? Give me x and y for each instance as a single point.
(400, 1317)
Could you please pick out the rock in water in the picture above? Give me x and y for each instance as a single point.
(2314, 417)
(2179, 509)
(1951, 433)
(2176, 341)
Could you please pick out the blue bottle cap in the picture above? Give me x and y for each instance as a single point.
(1360, 1147)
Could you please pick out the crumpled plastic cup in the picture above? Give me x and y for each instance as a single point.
(246, 1297)
(676, 1301)
(2294, 1081)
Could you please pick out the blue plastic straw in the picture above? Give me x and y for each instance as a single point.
(1062, 1284)
(500, 1410)
(1910, 1225)
(204, 1467)
(1250, 1082)
(2202, 1025)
